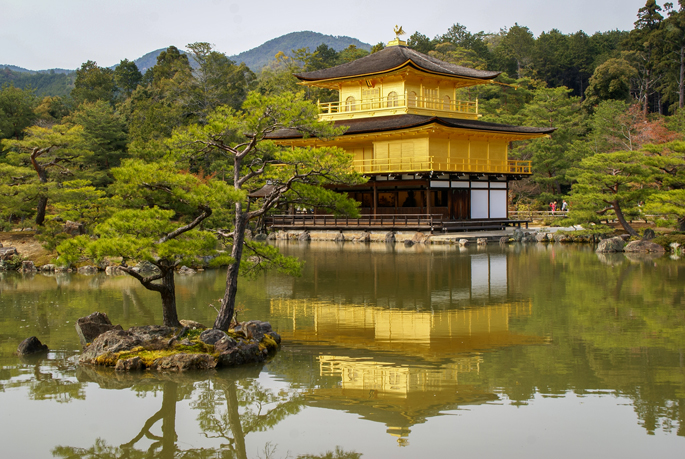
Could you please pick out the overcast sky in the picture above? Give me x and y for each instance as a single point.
(42, 34)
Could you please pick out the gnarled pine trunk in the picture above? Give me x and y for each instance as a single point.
(40, 210)
(168, 292)
(622, 219)
(223, 319)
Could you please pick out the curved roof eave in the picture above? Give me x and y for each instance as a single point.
(399, 122)
(408, 63)
(390, 59)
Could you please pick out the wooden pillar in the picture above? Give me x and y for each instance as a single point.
(375, 198)
(449, 201)
(428, 198)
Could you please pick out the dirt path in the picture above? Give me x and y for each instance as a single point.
(27, 246)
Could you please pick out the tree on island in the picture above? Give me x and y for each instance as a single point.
(164, 202)
(165, 208)
(235, 145)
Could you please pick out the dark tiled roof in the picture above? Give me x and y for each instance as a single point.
(390, 58)
(396, 122)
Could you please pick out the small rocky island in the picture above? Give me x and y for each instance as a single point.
(156, 347)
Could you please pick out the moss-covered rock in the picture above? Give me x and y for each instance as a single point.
(161, 348)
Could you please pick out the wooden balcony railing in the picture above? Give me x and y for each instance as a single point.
(313, 221)
(430, 163)
(400, 101)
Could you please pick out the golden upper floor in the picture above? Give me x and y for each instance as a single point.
(397, 80)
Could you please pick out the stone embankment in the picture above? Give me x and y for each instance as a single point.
(12, 259)
(160, 348)
(413, 238)
(532, 236)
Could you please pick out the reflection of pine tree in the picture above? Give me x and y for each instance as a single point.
(249, 408)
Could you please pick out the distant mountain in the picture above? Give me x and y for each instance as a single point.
(14, 68)
(60, 81)
(43, 82)
(258, 57)
(147, 61)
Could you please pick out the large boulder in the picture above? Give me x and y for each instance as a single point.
(225, 344)
(90, 327)
(114, 341)
(644, 246)
(7, 253)
(184, 362)
(241, 354)
(132, 364)
(260, 237)
(30, 346)
(614, 244)
(254, 329)
(340, 237)
(304, 237)
(212, 336)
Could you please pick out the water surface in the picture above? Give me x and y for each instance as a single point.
(516, 351)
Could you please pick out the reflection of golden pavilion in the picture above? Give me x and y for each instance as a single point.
(428, 334)
(396, 366)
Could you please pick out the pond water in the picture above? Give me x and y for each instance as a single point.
(389, 352)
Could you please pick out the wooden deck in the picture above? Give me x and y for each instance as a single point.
(389, 222)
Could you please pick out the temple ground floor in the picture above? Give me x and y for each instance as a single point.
(434, 202)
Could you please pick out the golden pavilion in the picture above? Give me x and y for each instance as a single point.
(425, 153)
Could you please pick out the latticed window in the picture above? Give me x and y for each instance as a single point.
(350, 104)
(392, 99)
(446, 102)
(430, 96)
(370, 94)
(371, 98)
(411, 99)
